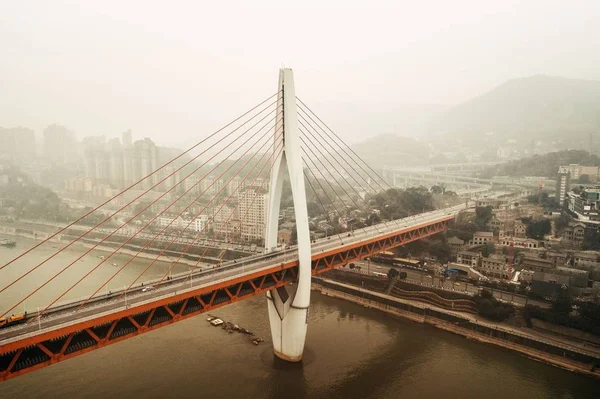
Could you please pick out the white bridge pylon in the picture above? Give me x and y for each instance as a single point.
(288, 305)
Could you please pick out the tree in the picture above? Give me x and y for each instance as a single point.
(490, 308)
(140, 208)
(464, 231)
(561, 222)
(591, 240)
(393, 273)
(563, 303)
(489, 249)
(437, 189)
(483, 216)
(584, 179)
(314, 209)
(538, 228)
(441, 250)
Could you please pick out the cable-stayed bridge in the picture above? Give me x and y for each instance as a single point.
(226, 189)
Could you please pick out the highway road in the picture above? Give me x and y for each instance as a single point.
(103, 304)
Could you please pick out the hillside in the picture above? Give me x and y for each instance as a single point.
(542, 165)
(390, 151)
(537, 107)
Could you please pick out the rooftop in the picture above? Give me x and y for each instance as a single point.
(468, 253)
(455, 240)
(571, 270)
(484, 234)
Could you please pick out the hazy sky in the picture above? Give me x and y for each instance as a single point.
(175, 71)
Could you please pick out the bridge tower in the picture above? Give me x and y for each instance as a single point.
(288, 305)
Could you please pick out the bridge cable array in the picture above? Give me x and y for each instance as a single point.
(250, 140)
(140, 181)
(241, 154)
(322, 134)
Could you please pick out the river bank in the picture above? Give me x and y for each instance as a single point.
(62, 239)
(572, 359)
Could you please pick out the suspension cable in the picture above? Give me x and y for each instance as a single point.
(185, 251)
(328, 154)
(134, 184)
(300, 107)
(340, 140)
(279, 151)
(133, 236)
(144, 209)
(319, 199)
(318, 159)
(171, 222)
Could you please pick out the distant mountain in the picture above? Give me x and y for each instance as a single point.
(389, 150)
(542, 165)
(536, 107)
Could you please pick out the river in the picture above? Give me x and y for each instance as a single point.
(351, 352)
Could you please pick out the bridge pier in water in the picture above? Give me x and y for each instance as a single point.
(288, 305)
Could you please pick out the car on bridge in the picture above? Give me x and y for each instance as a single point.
(148, 288)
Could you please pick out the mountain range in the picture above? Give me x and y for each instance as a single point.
(533, 114)
(537, 107)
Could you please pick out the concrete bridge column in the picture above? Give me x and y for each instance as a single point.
(288, 306)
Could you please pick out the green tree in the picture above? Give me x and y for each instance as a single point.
(483, 216)
(563, 304)
(584, 179)
(538, 228)
(441, 250)
(489, 249)
(561, 222)
(490, 308)
(591, 240)
(437, 189)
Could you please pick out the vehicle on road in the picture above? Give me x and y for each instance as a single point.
(13, 320)
(148, 288)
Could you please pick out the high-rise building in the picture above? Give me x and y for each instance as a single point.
(225, 222)
(95, 158)
(235, 186)
(172, 178)
(115, 163)
(252, 208)
(59, 144)
(127, 139)
(563, 181)
(17, 144)
(145, 161)
(191, 185)
(211, 186)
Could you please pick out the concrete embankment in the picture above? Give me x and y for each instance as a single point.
(557, 354)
